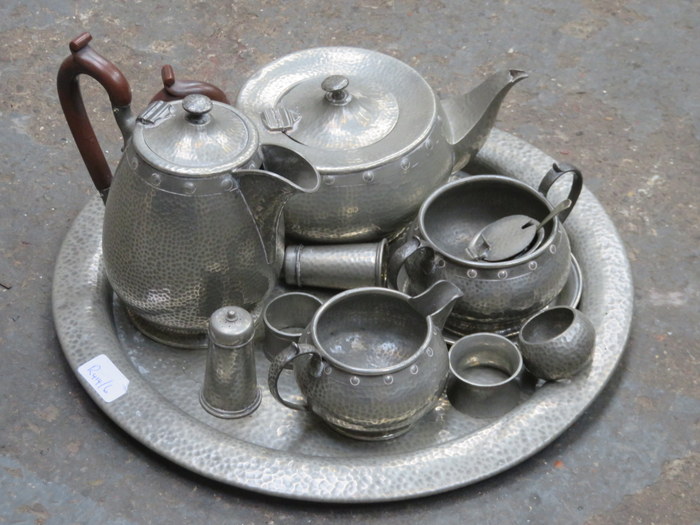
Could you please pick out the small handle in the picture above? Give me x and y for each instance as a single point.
(176, 89)
(399, 258)
(83, 60)
(279, 363)
(559, 169)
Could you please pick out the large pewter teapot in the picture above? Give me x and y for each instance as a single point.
(192, 222)
(373, 128)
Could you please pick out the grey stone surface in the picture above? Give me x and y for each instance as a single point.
(612, 90)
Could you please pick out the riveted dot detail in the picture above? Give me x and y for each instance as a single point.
(354, 380)
(472, 273)
(227, 183)
(502, 274)
(388, 379)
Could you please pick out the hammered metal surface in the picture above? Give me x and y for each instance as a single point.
(174, 259)
(337, 266)
(557, 343)
(377, 179)
(173, 141)
(498, 296)
(402, 92)
(374, 364)
(286, 453)
(230, 387)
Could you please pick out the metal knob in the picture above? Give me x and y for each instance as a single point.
(334, 86)
(197, 107)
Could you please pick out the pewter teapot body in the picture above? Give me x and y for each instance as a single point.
(193, 217)
(373, 128)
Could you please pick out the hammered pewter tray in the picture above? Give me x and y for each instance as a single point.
(292, 454)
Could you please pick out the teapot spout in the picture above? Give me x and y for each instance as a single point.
(266, 191)
(437, 302)
(470, 117)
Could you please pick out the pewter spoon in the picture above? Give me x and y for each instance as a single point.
(508, 236)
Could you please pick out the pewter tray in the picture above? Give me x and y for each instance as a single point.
(292, 454)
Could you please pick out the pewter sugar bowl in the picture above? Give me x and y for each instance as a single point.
(499, 295)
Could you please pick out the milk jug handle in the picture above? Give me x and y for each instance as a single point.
(279, 363)
(401, 255)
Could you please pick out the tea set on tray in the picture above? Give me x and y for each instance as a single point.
(337, 169)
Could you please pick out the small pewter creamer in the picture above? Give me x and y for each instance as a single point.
(372, 361)
(373, 128)
(192, 222)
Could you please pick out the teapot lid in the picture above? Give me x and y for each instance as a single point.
(343, 108)
(195, 136)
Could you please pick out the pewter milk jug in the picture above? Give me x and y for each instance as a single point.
(193, 217)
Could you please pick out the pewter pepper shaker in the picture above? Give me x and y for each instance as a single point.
(230, 387)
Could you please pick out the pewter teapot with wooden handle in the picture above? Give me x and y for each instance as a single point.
(193, 217)
(373, 128)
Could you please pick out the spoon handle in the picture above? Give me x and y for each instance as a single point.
(563, 205)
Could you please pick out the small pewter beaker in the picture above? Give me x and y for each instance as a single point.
(484, 370)
(230, 388)
(339, 266)
(285, 317)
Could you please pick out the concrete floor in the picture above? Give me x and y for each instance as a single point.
(612, 89)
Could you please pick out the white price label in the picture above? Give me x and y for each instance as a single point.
(104, 377)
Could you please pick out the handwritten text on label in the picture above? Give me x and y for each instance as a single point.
(104, 377)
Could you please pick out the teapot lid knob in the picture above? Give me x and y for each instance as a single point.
(334, 86)
(197, 107)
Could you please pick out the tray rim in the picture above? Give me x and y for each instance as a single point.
(81, 302)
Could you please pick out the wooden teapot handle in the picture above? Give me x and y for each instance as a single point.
(83, 60)
(176, 89)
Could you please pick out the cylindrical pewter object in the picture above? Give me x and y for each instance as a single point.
(285, 317)
(339, 266)
(230, 387)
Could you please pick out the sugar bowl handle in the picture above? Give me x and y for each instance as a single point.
(559, 169)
